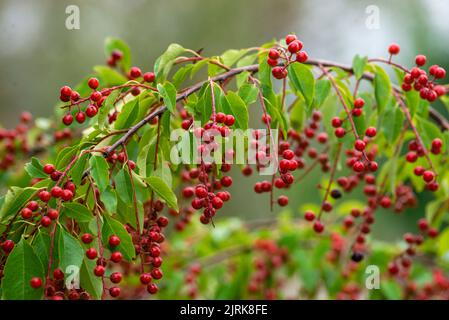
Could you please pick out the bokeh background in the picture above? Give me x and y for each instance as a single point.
(38, 54)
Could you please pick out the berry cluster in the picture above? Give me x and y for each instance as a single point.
(416, 150)
(288, 55)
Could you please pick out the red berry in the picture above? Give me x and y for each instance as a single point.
(49, 168)
(419, 171)
(36, 282)
(220, 117)
(93, 83)
(279, 72)
(273, 54)
(318, 227)
(428, 176)
(393, 269)
(359, 103)
(116, 277)
(432, 233)
(67, 119)
(336, 122)
(290, 38)
(394, 49)
(87, 238)
(53, 214)
(134, 72)
(411, 156)
(80, 117)
(145, 278)
(96, 96)
(162, 221)
(26, 213)
(309, 216)
(440, 73)
(437, 143)
(45, 196)
(420, 60)
(370, 132)
(91, 253)
(114, 292)
(217, 203)
(66, 91)
(359, 145)
(56, 192)
(67, 195)
(152, 288)
(423, 224)
(302, 56)
(230, 120)
(272, 63)
(226, 181)
(340, 132)
(91, 111)
(116, 257)
(33, 205)
(99, 271)
(288, 154)
(295, 46)
(156, 273)
(358, 166)
(149, 77)
(45, 221)
(114, 241)
(283, 201)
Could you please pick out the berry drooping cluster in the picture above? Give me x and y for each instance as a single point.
(290, 54)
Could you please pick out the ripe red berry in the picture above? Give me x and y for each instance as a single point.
(359, 103)
(45, 196)
(340, 132)
(440, 73)
(385, 202)
(116, 277)
(116, 257)
(370, 132)
(45, 221)
(411, 156)
(33, 205)
(7, 246)
(272, 62)
(36, 282)
(49, 168)
(134, 72)
(230, 120)
(99, 271)
(114, 292)
(149, 77)
(394, 49)
(26, 213)
(393, 269)
(419, 171)
(420, 60)
(91, 111)
(67, 195)
(56, 192)
(309, 216)
(93, 83)
(437, 143)
(226, 181)
(428, 176)
(273, 54)
(91, 253)
(96, 96)
(87, 238)
(358, 166)
(80, 117)
(283, 201)
(279, 72)
(302, 57)
(152, 288)
(318, 227)
(295, 46)
(217, 203)
(66, 91)
(288, 154)
(114, 241)
(145, 278)
(53, 214)
(359, 145)
(67, 119)
(432, 233)
(423, 225)
(156, 273)
(336, 122)
(290, 38)
(220, 117)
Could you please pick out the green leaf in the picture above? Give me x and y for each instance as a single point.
(359, 65)
(391, 290)
(248, 93)
(112, 44)
(230, 57)
(109, 77)
(382, 88)
(123, 186)
(15, 199)
(303, 80)
(76, 211)
(109, 199)
(168, 93)
(113, 227)
(128, 115)
(78, 169)
(163, 191)
(89, 281)
(239, 109)
(65, 157)
(35, 169)
(22, 265)
(322, 90)
(392, 123)
(428, 131)
(70, 251)
(165, 61)
(100, 172)
(106, 107)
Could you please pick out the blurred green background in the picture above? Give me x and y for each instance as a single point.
(38, 54)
